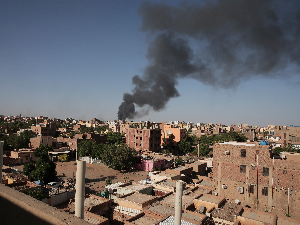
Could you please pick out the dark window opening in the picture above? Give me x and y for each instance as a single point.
(251, 189)
(243, 152)
(243, 168)
(265, 171)
(265, 191)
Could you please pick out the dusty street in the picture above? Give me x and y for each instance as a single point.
(96, 174)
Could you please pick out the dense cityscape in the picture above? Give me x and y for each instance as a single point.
(231, 174)
(97, 99)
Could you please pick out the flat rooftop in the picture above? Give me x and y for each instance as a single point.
(92, 201)
(237, 143)
(139, 198)
(162, 209)
(181, 168)
(210, 198)
(170, 200)
(227, 212)
(206, 183)
(136, 187)
(259, 216)
(167, 183)
(145, 220)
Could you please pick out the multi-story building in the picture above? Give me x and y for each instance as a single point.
(45, 129)
(249, 173)
(171, 135)
(144, 137)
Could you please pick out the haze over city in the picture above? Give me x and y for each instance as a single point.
(212, 62)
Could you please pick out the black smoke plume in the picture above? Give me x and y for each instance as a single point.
(219, 43)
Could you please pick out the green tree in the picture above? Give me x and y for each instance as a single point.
(28, 168)
(277, 150)
(119, 157)
(102, 129)
(203, 150)
(38, 194)
(192, 138)
(85, 129)
(184, 146)
(90, 148)
(178, 161)
(45, 169)
(115, 138)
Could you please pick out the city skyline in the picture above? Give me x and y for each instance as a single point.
(77, 59)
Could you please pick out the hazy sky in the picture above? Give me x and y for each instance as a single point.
(77, 59)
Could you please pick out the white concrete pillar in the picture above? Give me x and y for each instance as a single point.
(1, 158)
(80, 189)
(178, 202)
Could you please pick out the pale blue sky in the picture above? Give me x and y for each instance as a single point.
(76, 59)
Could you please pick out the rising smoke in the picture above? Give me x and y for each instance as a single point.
(219, 43)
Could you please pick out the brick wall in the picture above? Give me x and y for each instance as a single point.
(264, 186)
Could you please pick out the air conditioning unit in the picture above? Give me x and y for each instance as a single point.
(227, 152)
(224, 186)
(240, 189)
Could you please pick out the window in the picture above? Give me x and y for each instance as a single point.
(265, 171)
(265, 191)
(243, 152)
(284, 171)
(140, 138)
(251, 189)
(243, 168)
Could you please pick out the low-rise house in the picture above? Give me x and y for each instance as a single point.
(209, 202)
(252, 216)
(149, 164)
(136, 201)
(138, 188)
(165, 185)
(185, 172)
(159, 176)
(23, 156)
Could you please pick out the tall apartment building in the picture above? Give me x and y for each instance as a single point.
(144, 137)
(249, 173)
(45, 129)
(171, 135)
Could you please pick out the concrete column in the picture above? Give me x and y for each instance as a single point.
(178, 202)
(247, 183)
(219, 178)
(270, 190)
(1, 158)
(80, 186)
